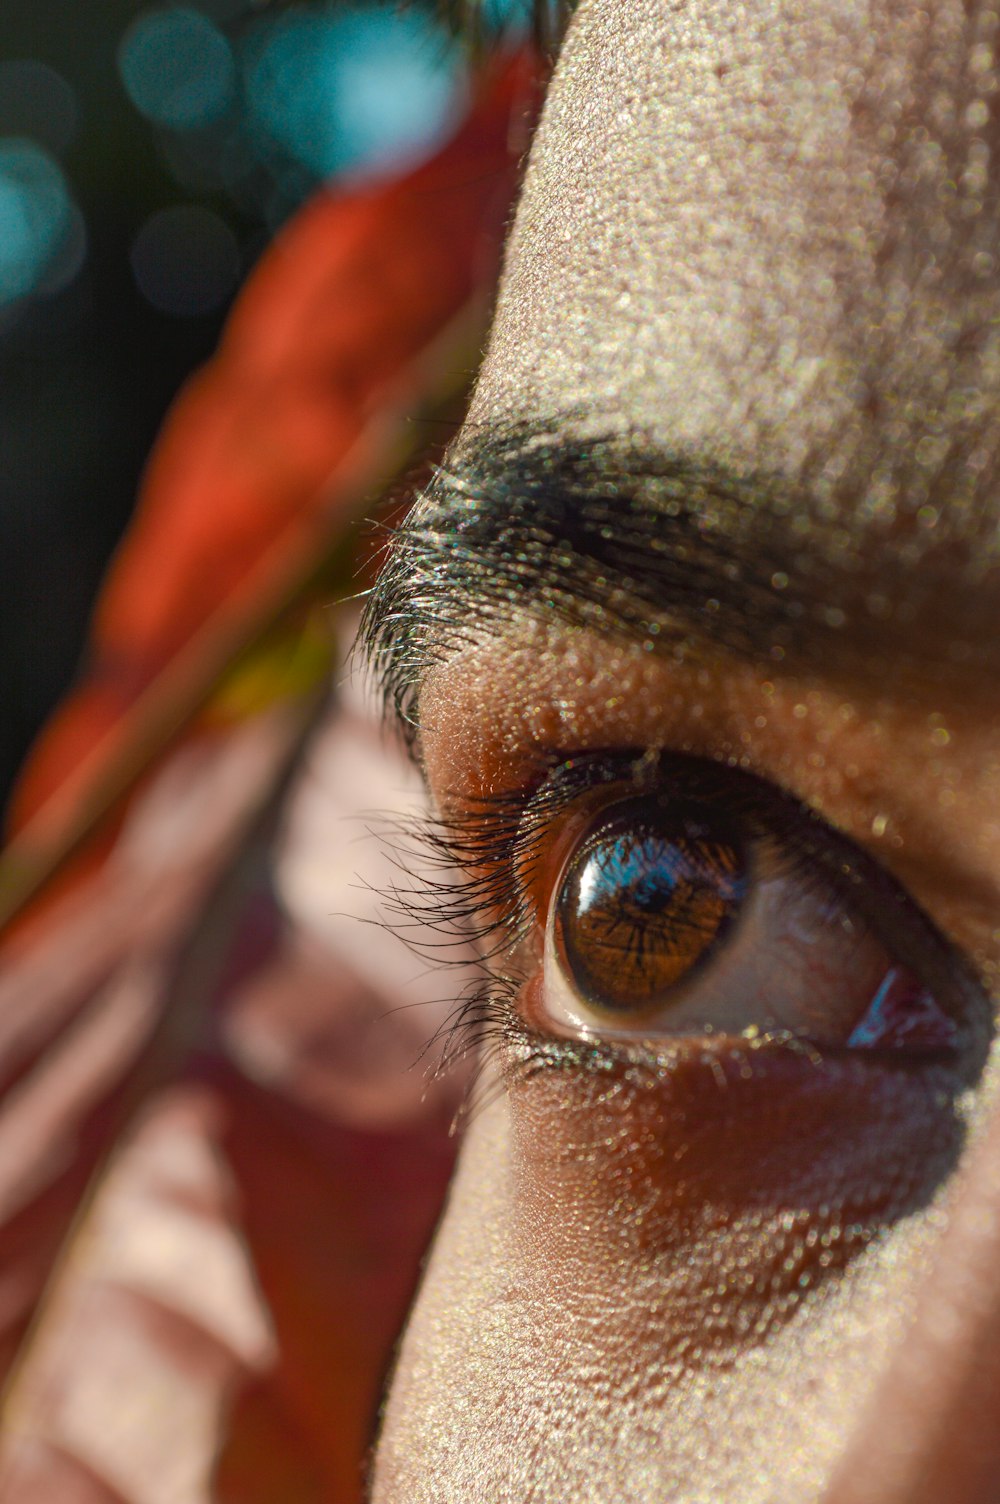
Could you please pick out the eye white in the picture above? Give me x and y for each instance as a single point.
(795, 961)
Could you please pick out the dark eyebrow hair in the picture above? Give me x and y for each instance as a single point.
(678, 552)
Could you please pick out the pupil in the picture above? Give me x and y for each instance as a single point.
(646, 899)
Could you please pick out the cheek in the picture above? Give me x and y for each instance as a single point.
(630, 1284)
(722, 1201)
(474, 1371)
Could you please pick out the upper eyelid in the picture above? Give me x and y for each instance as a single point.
(869, 766)
(506, 829)
(487, 839)
(820, 852)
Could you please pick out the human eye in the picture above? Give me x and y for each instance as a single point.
(699, 901)
(645, 904)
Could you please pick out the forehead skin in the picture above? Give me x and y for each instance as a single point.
(763, 232)
(767, 232)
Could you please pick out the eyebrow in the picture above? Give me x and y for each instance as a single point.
(678, 552)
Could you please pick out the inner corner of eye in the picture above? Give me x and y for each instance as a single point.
(677, 916)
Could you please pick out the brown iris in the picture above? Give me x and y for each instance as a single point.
(647, 896)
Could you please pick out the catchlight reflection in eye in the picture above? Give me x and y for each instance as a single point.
(678, 916)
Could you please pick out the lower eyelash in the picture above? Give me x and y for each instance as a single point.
(479, 1029)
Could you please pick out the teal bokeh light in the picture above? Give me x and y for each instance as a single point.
(36, 216)
(347, 89)
(178, 69)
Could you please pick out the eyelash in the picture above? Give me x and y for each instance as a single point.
(470, 877)
(465, 883)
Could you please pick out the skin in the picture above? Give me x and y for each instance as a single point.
(764, 233)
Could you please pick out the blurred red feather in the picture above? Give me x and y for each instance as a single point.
(217, 1175)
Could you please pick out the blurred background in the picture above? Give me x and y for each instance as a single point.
(147, 156)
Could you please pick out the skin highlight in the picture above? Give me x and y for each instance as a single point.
(764, 233)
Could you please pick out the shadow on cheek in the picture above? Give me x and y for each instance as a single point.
(719, 1195)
